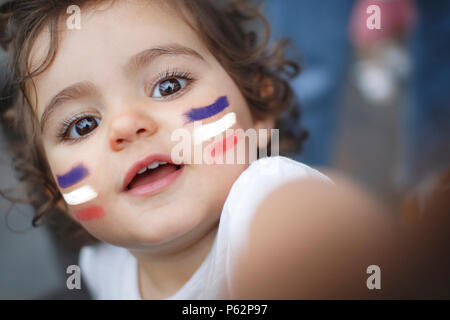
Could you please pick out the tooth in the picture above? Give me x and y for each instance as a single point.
(142, 170)
(154, 165)
(163, 162)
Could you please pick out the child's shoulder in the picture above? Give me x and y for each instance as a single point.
(254, 185)
(282, 167)
(267, 174)
(102, 262)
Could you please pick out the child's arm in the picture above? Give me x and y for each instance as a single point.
(312, 240)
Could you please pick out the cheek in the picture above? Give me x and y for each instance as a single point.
(243, 115)
(79, 187)
(238, 103)
(73, 176)
(80, 194)
(76, 180)
(89, 213)
(220, 180)
(202, 113)
(84, 203)
(219, 148)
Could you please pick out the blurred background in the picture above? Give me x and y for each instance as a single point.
(374, 96)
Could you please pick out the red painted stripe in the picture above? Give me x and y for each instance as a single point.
(226, 144)
(90, 213)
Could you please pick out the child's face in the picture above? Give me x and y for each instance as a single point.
(130, 111)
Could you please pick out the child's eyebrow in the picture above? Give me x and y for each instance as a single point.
(145, 57)
(134, 64)
(72, 92)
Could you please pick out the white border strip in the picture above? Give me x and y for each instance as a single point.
(210, 130)
(81, 195)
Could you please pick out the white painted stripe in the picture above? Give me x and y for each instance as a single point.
(81, 195)
(207, 131)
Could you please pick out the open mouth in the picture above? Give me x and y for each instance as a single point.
(151, 175)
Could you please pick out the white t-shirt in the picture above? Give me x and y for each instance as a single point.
(110, 272)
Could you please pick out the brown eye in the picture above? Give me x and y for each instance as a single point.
(168, 87)
(83, 127)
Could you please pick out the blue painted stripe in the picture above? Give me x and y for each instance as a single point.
(208, 111)
(72, 177)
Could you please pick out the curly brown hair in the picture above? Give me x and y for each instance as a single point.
(222, 25)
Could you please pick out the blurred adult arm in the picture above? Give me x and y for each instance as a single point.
(315, 240)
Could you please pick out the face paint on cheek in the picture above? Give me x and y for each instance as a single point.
(208, 131)
(81, 195)
(223, 146)
(72, 177)
(208, 111)
(94, 212)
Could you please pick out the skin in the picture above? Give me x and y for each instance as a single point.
(318, 246)
(170, 233)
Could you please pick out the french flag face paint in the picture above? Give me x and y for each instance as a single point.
(219, 148)
(78, 196)
(94, 212)
(208, 131)
(211, 130)
(72, 177)
(208, 111)
(81, 195)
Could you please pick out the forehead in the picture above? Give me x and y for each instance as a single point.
(110, 34)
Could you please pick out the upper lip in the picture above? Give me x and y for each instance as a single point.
(142, 164)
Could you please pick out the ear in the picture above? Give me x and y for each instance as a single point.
(267, 89)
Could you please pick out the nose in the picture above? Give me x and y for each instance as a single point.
(129, 127)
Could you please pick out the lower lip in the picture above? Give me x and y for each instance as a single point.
(157, 186)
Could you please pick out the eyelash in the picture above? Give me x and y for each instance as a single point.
(67, 125)
(163, 76)
(169, 74)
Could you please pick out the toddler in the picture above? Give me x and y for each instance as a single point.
(116, 100)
